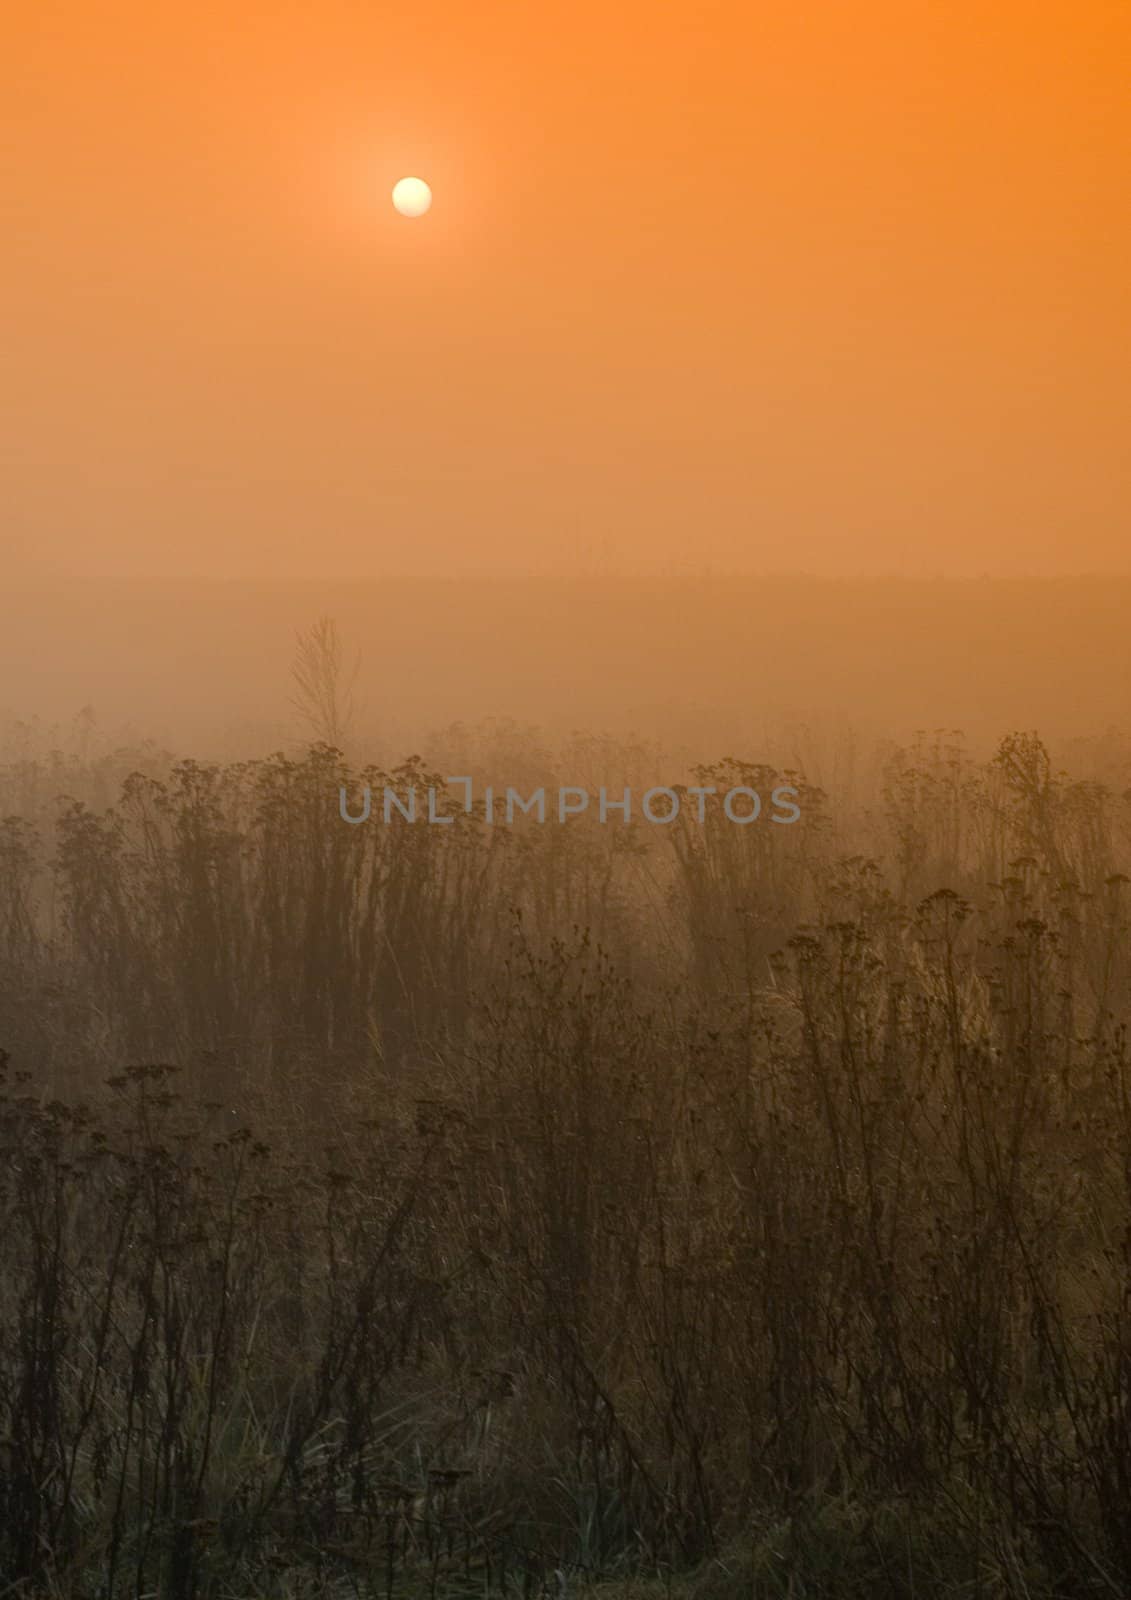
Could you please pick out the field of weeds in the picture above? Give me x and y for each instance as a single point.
(695, 1210)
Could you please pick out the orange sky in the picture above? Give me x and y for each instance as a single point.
(835, 288)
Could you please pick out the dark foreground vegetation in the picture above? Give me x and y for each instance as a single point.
(705, 1210)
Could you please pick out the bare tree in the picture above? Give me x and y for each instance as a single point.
(324, 686)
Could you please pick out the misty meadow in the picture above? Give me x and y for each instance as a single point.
(703, 1210)
(565, 801)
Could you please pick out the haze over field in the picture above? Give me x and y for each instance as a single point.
(468, 471)
(710, 664)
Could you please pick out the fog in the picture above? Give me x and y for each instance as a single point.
(566, 1199)
(711, 665)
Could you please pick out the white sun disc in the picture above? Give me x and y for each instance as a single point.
(412, 197)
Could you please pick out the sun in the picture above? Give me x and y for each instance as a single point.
(412, 197)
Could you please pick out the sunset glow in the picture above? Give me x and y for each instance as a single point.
(565, 800)
(840, 291)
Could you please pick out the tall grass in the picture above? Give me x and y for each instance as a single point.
(408, 1210)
